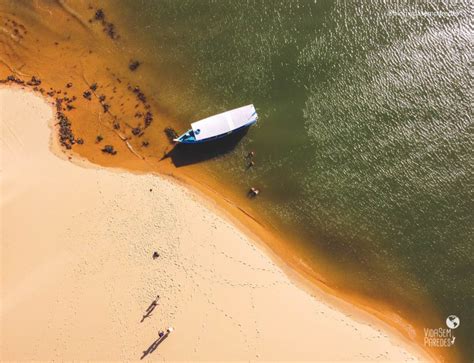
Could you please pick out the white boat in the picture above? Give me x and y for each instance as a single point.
(218, 126)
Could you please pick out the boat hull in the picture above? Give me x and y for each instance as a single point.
(181, 140)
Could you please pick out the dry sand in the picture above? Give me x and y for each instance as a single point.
(78, 273)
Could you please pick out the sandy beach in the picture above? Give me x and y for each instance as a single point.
(78, 274)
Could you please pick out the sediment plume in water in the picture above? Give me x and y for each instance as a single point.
(104, 115)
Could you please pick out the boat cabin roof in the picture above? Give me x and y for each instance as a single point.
(224, 122)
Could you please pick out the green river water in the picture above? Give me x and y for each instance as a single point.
(364, 142)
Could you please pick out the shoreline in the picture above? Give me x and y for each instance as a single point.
(214, 207)
(318, 290)
(277, 248)
(129, 162)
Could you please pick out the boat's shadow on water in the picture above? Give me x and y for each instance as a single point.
(187, 154)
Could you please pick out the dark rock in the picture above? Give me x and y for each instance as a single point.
(69, 85)
(66, 137)
(109, 29)
(87, 95)
(34, 81)
(12, 78)
(140, 95)
(93, 86)
(109, 149)
(80, 141)
(99, 138)
(133, 65)
(148, 119)
(59, 102)
(99, 14)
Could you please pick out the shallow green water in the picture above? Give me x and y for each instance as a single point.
(364, 143)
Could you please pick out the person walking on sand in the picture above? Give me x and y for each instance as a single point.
(150, 308)
(153, 304)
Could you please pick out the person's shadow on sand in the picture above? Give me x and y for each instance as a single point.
(154, 345)
(150, 309)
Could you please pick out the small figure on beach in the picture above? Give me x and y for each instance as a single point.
(171, 134)
(155, 254)
(161, 337)
(253, 192)
(150, 308)
(250, 160)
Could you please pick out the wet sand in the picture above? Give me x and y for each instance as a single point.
(33, 50)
